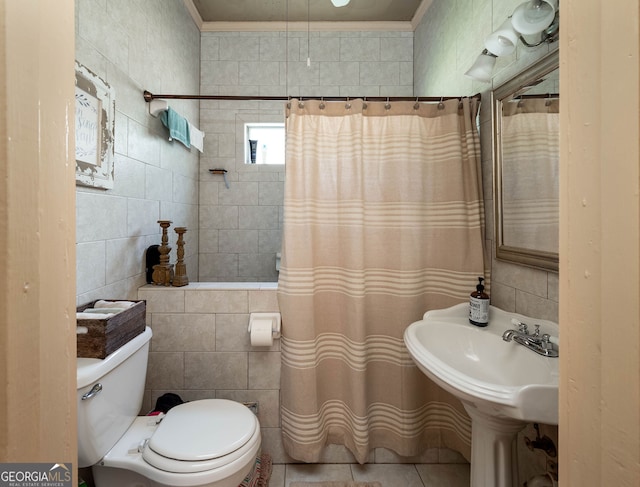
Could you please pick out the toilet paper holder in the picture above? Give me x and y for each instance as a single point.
(276, 321)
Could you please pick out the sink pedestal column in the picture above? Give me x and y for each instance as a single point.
(493, 449)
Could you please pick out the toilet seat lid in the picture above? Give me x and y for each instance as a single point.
(203, 430)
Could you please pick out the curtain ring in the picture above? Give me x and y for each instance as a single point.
(301, 103)
(347, 105)
(289, 102)
(322, 105)
(441, 104)
(387, 106)
(364, 103)
(547, 102)
(416, 105)
(520, 102)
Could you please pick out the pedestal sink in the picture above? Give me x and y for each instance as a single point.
(502, 385)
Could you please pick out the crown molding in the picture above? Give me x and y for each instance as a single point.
(304, 26)
(195, 15)
(420, 12)
(396, 26)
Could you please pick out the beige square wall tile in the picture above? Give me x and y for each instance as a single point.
(268, 404)
(183, 332)
(215, 370)
(536, 307)
(263, 301)
(186, 396)
(165, 370)
(264, 370)
(530, 280)
(232, 333)
(162, 300)
(195, 395)
(503, 297)
(211, 301)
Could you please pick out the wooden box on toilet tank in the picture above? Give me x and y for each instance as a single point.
(105, 336)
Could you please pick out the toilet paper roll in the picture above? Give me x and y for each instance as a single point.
(261, 333)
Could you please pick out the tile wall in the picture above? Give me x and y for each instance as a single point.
(241, 226)
(201, 349)
(447, 42)
(133, 46)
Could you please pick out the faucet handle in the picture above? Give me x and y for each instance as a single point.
(537, 332)
(546, 342)
(523, 328)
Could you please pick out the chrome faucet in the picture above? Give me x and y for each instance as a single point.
(540, 344)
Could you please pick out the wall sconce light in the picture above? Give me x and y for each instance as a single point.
(503, 41)
(340, 3)
(532, 17)
(482, 68)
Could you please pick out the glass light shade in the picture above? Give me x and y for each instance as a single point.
(482, 69)
(532, 17)
(340, 3)
(503, 41)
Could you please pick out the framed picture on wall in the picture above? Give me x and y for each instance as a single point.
(95, 109)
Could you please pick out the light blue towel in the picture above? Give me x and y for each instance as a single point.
(178, 126)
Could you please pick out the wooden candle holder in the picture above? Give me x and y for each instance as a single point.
(163, 272)
(180, 278)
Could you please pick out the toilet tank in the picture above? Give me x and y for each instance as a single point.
(105, 416)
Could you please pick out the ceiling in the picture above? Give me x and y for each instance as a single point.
(306, 10)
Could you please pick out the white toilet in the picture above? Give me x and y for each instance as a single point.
(211, 442)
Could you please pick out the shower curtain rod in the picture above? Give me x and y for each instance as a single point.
(540, 95)
(148, 96)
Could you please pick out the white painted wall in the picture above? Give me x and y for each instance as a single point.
(37, 241)
(600, 244)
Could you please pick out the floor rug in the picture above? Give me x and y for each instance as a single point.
(350, 483)
(260, 474)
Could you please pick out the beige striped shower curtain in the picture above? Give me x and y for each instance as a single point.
(530, 165)
(383, 221)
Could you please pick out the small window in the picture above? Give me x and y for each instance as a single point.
(264, 143)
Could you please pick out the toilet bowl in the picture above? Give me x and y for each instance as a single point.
(205, 443)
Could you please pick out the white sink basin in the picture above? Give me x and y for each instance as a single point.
(502, 385)
(478, 366)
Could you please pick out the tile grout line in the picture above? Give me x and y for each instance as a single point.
(415, 467)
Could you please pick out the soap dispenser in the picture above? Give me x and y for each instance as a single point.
(479, 305)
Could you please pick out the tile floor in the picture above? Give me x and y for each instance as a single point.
(389, 475)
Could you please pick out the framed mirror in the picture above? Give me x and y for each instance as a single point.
(526, 155)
